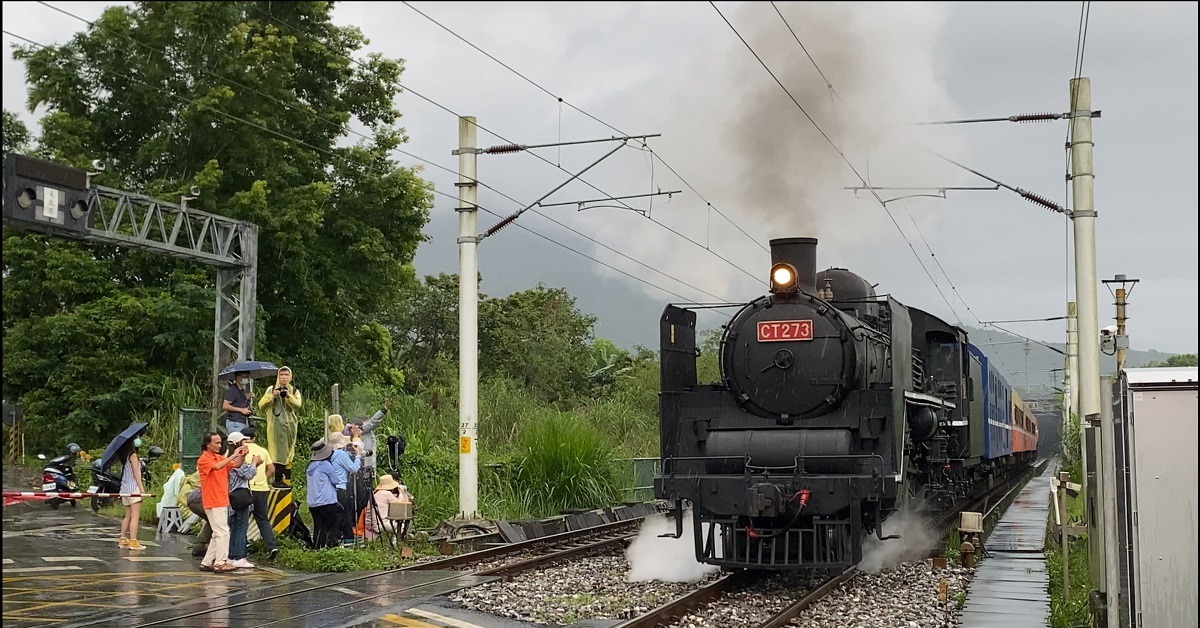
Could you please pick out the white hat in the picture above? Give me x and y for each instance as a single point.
(236, 437)
(337, 440)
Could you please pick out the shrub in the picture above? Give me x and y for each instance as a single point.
(565, 462)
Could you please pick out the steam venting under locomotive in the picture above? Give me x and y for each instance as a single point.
(835, 406)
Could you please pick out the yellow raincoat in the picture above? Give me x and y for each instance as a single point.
(282, 422)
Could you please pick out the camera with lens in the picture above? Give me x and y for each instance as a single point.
(283, 392)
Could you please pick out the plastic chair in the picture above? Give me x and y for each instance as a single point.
(172, 521)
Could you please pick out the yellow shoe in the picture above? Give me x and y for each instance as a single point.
(124, 542)
(134, 545)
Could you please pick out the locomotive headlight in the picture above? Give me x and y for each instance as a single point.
(783, 278)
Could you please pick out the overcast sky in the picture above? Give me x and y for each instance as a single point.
(746, 148)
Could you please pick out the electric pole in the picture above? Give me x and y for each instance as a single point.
(468, 320)
(469, 238)
(1084, 218)
(1120, 341)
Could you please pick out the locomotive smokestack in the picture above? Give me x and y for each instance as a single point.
(801, 253)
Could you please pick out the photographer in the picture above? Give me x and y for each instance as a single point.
(364, 431)
(281, 403)
(236, 405)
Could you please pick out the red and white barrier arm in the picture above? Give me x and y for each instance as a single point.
(75, 495)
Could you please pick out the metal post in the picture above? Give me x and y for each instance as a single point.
(1063, 478)
(1107, 501)
(1084, 218)
(1072, 399)
(468, 321)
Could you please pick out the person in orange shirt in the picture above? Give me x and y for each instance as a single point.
(214, 471)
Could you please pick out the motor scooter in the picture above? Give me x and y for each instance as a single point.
(59, 475)
(105, 482)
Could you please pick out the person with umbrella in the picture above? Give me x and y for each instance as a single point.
(281, 403)
(236, 405)
(131, 482)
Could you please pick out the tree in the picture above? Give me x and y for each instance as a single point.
(1178, 360)
(250, 101)
(538, 338)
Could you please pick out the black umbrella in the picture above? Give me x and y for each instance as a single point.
(253, 370)
(110, 452)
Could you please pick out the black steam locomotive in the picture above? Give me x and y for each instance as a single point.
(835, 407)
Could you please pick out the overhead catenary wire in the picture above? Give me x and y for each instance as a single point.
(563, 101)
(346, 128)
(502, 138)
(840, 154)
(347, 160)
(863, 180)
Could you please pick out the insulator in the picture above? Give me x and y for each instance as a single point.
(504, 148)
(500, 225)
(1035, 117)
(1040, 200)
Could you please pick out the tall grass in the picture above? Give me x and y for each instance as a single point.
(565, 462)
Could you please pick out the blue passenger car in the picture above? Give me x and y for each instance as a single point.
(997, 408)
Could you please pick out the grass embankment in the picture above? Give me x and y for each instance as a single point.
(1069, 609)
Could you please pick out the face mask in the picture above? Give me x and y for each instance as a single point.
(137, 442)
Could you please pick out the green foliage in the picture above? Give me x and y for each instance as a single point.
(1183, 359)
(1072, 451)
(16, 134)
(547, 321)
(154, 89)
(1069, 611)
(565, 462)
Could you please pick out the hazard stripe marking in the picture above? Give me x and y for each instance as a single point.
(449, 621)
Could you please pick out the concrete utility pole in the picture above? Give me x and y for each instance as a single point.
(468, 320)
(1084, 218)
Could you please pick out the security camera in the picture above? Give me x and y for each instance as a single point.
(194, 191)
(98, 165)
(1109, 331)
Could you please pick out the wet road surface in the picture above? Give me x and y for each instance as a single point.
(63, 568)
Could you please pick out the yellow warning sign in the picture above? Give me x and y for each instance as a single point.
(464, 444)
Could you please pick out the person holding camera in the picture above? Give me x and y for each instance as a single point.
(214, 471)
(363, 430)
(281, 403)
(236, 405)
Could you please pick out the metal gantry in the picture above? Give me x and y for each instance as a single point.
(45, 198)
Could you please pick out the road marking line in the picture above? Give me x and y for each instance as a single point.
(449, 621)
(24, 618)
(67, 559)
(41, 569)
(8, 561)
(344, 590)
(404, 621)
(151, 559)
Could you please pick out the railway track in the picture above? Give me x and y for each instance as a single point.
(989, 502)
(531, 554)
(463, 570)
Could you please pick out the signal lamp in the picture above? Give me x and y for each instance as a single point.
(783, 278)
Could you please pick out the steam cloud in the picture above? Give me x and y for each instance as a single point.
(916, 538)
(652, 557)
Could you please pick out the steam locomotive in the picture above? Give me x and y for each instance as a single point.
(835, 407)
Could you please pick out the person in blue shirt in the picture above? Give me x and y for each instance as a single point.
(322, 496)
(346, 466)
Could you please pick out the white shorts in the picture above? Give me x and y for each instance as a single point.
(129, 501)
